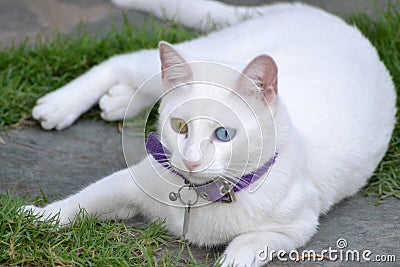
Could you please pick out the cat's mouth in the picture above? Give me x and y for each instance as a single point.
(205, 176)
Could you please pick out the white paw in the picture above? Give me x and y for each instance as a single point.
(123, 100)
(59, 109)
(113, 104)
(241, 257)
(53, 214)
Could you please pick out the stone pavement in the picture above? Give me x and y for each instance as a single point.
(61, 163)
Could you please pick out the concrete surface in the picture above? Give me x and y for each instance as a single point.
(61, 163)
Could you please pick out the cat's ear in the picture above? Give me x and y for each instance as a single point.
(174, 68)
(262, 72)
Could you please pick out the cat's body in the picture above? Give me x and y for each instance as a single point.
(334, 116)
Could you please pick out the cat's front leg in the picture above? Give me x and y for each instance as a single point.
(114, 104)
(254, 249)
(60, 108)
(113, 197)
(118, 78)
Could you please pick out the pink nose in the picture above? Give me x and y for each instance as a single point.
(191, 164)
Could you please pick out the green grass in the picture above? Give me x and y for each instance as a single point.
(28, 71)
(384, 34)
(26, 242)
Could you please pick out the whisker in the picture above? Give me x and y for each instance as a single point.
(241, 182)
(243, 164)
(236, 169)
(237, 183)
(232, 178)
(240, 171)
(159, 153)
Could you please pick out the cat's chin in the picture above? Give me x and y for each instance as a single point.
(199, 178)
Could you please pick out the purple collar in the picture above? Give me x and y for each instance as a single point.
(218, 190)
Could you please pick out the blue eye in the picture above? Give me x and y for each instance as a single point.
(224, 134)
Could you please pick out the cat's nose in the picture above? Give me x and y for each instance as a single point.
(191, 165)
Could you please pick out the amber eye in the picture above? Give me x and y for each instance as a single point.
(179, 125)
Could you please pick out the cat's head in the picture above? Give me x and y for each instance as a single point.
(216, 121)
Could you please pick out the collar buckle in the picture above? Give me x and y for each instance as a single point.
(226, 190)
(229, 197)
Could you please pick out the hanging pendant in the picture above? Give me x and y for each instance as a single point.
(174, 196)
(227, 191)
(186, 218)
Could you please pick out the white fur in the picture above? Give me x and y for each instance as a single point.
(334, 116)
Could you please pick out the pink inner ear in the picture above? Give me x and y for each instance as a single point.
(169, 56)
(174, 68)
(263, 71)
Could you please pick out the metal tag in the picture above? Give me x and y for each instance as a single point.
(186, 218)
(227, 191)
(173, 196)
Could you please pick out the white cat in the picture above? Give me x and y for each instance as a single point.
(319, 139)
